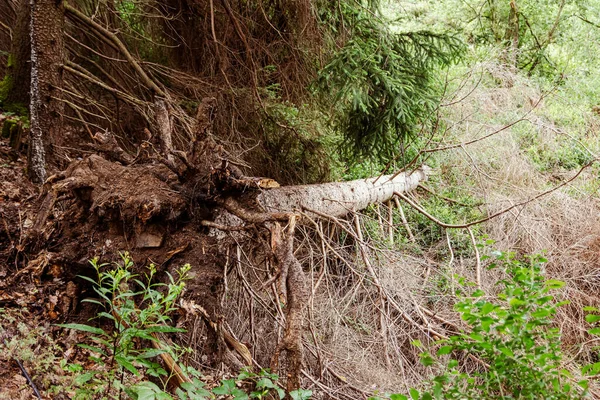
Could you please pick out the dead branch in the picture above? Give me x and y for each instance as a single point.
(122, 48)
(297, 298)
(523, 203)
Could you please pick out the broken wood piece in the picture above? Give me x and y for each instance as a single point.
(230, 340)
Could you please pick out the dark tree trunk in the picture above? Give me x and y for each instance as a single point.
(19, 67)
(7, 25)
(47, 53)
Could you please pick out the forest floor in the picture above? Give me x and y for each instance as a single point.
(49, 246)
(25, 306)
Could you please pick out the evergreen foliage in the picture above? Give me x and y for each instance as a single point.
(382, 83)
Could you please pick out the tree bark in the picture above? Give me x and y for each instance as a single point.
(19, 69)
(47, 19)
(164, 127)
(338, 198)
(512, 34)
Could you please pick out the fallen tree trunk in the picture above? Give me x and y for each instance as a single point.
(329, 200)
(147, 207)
(338, 198)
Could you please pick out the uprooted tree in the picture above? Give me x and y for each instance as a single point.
(191, 111)
(149, 207)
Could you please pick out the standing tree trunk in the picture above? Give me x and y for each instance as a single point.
(19, 68)
(512, 35)
(47, 19)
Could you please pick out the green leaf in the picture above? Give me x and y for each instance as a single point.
(107, 315)
(554, 284)
(83, 378)
(506, 351)
(225, 388)
(94, 301)
(541, 313)
(591, 369)
(84, 328)
(245, 374)
(594, 331)
(181, 394)
(414, 394)
(265, 383)
(301, 394)
(92, 348)
(87, 278)
(444, 350)
(515, 302)
(477, 337)
(152, 353)
(149, 391)
(591, 318)
(281, 393)
(487, 308)
(187, 386)
(427, 360)
(127, 365)
(163, 329)
(239, 394)
(398, 397)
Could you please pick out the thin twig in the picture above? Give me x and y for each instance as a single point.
(477, 257)
(523, 203)
(29, 380)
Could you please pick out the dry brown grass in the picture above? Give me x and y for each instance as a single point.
(356, 341)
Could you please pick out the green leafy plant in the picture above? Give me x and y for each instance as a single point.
(261, 386)
(115, 349)
(123, 364)
(512, 345)
(594, 319)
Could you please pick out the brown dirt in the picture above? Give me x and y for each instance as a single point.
(97, 208)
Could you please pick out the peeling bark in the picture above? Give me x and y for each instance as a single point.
(338, 198)
(297, 295)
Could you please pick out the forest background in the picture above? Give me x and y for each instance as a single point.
(500, 99)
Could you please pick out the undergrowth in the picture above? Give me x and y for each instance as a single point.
(125, 355)
(512, 342)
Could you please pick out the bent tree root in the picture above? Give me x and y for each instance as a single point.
(297, 292)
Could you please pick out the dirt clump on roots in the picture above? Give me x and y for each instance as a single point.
(96, 209)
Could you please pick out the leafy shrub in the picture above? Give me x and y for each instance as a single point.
(512, 345)
(115, 350)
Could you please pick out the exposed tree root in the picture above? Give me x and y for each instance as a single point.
(297, 295)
